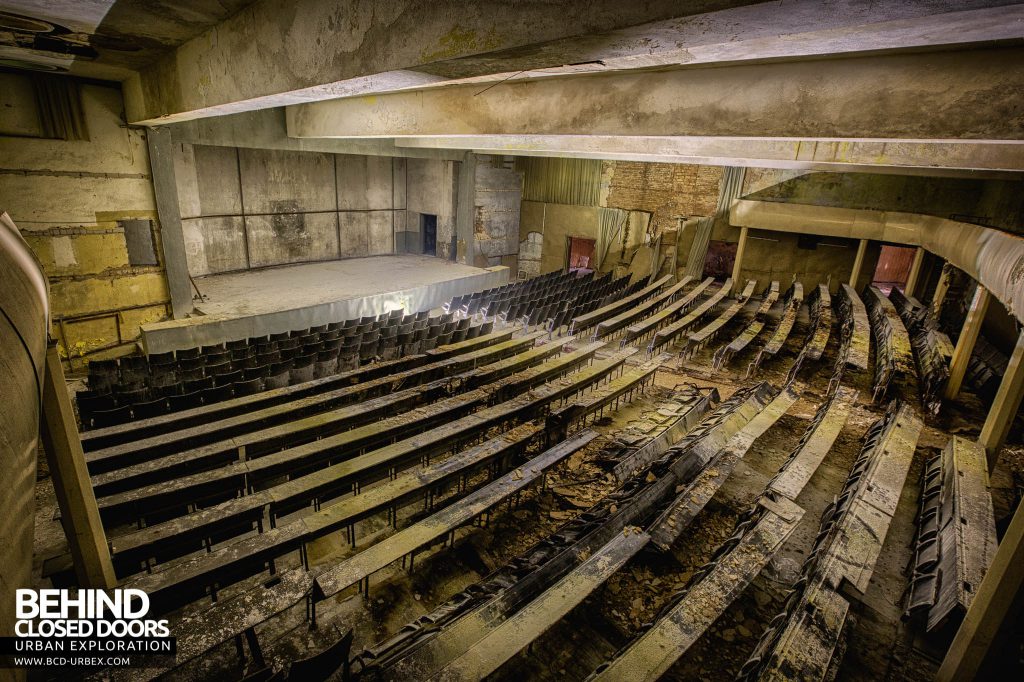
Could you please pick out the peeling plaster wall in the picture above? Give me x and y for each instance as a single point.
(665, 190)
(652, 193)
(554, 223)
(66, 198)
(544, 229)
(496, 209)
(250, 208)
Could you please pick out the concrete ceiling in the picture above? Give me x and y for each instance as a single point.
(276, 54)
(826, 84)
(107, 39)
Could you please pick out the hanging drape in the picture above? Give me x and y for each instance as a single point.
(60, 107)
(732, 185)
(560, 181)
(610, 223)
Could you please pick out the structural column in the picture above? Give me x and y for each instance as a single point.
(965, 344)
(1004, 407)
(465, 211)
(998, 595)
(941, 289)
(172, 239)
(79, 513)
(737, 266)
(915, 272)
(858, 262)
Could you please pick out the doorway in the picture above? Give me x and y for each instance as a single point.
(893, 267)
(719, 259)
(428, 228)
(580, 254)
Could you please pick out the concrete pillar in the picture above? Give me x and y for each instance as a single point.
(965, 344)
(996, 597)
(939, 297)
(737, 265)
(165, 188)
(80, 515)
(1004, 407)
(465, 212)
(915, 272)
(858, 262)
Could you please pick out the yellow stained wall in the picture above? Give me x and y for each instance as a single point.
(66, 197)
(778, 256)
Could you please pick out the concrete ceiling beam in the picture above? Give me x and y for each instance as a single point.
(272, 53)
(916, 97)
(268, 55)
(265, 129)
(794, 29)
(963, 159)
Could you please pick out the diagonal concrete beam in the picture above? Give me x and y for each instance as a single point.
(272, 55)
(931, 96)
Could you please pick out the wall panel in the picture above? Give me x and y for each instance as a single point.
(291, 238)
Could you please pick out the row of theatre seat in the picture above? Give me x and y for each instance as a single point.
(552, 299)
(354, 448)
(137, 387)
(479, 301)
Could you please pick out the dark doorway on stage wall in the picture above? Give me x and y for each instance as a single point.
(893, 267)
(428, 228)
(579, 254)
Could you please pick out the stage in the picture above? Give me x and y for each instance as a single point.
(258, 302)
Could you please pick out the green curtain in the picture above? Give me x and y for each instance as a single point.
(560, 181)
(732, 185)
(60, 107)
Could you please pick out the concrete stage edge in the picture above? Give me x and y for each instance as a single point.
(271, 305)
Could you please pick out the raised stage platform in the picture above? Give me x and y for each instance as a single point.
(274, 300)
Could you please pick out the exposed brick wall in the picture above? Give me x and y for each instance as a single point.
(665, 189)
